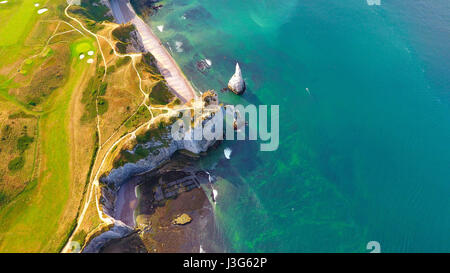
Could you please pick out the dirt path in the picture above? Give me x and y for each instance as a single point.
(173, 75)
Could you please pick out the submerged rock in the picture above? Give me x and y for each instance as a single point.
(236, 83)
(183, 219)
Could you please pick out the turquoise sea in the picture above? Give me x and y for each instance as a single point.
(365, 156)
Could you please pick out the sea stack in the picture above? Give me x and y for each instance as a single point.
(236, 83)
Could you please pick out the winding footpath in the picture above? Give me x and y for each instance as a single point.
(123, 13)
(175, 79)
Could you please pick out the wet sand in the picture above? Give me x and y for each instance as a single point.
(154, 229)
(164, 237)
(126, 203)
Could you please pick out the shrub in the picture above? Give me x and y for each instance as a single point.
(23, 143)
(16, 164)
(121, 47)
(123, 32)
(128, 157)
(102, 89)
(123, 61)
(102, 106)
(160, 94)
(141, 152)
(3, 198)
(94, 87)
(20, 114)
(141, 115)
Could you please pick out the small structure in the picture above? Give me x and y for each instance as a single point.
(236, 83)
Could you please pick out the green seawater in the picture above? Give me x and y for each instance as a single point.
(364, 157)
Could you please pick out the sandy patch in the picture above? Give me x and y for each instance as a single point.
(126, 203)
(42, 11)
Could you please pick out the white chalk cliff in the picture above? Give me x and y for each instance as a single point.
(236, 83)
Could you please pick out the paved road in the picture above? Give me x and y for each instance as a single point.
(123, 12)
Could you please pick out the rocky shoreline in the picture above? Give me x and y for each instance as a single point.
(133, 192)
(164, 195)
(136, 195)
(158, 181)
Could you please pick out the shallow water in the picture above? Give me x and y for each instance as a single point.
(364, 99)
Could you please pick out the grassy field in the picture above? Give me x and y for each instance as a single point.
(20, 16)
(4, 84)
(33, 219)
(42, 216)
(51, 147)
(18, 131)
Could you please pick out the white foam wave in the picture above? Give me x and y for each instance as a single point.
(227, 153)
(178, 46)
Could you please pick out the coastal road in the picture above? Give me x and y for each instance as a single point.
(123, 13)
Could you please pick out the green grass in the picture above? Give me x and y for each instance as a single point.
(95, 10)
(80, 237)
(95, 87)
(21, 20)
(82, 46)
(128, 157)
(30, 222)
(154, 134)
(123, 61)
(141, 115)
(4, 88)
